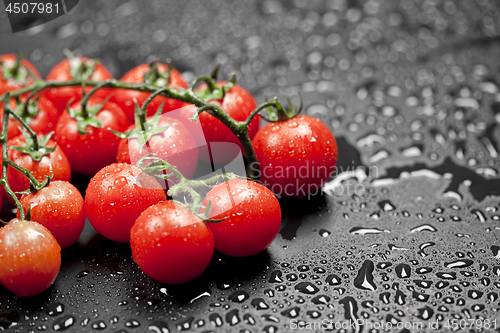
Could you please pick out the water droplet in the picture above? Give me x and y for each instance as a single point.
(459, 263)
(364, 279)
(63, 323)
(307, 288)
(239, 296)
(55, 309)
(367, 231)
(403, 271)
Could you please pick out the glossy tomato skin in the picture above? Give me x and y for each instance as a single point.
(30, 258)
(116, 196)
(55, 163)
(175, 145)
(11, 84)
(60, 208)
(91, 152)
(170, 244)
(252, 217)
(296, 156)
(125, 98)
(237, 103)
(44, 122)
(62, 72)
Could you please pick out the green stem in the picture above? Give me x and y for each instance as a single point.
(5, 157)
(239, 128)
(28, 128)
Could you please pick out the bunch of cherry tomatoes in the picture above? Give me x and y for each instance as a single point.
(51, 133)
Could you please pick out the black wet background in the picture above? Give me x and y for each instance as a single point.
(410, 90)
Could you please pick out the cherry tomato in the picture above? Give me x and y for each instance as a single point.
(30, 258)
(238, 103)
(116, 196)
(253, 217)
(125, 98)
(60, 208)
(171, 244)
(296, 156)
(43, 122)
(54, 163)
(175, 145)
(91, 152)
(22, 80)
(65, 70)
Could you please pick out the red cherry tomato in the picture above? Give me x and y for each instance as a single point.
(296, 156)
(175, 145)
(54, 163)
(116, 196)
(238, 103)
(91, 152)
(63, 72)
(60, 208)
(30, 258)
(253, 217)
(42, 123)
(170, 244)
(125, 98)
(10, 84)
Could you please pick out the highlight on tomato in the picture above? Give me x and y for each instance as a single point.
(60, 208)
(250, 214)
(171, 244)
(296, 155)
(30, 258)
(86, 138)
(116, 196)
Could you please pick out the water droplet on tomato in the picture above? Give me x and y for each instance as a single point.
(120, 182)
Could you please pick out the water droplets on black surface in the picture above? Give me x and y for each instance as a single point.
(403, 271)
(461, 263)
(54, 309)
(8, 319)
(291, 312)
(367, 231)
(364, 279)
(185, 324)
(239, 296)
(447, 275)
(259, 304)
(276, 277)
(333, 280)
(306, 288)
(63, 323)
(324, 233)
(321, 299)
(233, 317)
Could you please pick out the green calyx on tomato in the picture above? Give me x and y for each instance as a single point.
(213, 91)
(35, 147)
(144, 128)
(280, 113)
(86, 115)
(181, 186)
(80, 69)
(16, 72)
(157, 79)
(27, 110)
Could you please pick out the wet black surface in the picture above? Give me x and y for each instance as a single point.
(407, 233)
